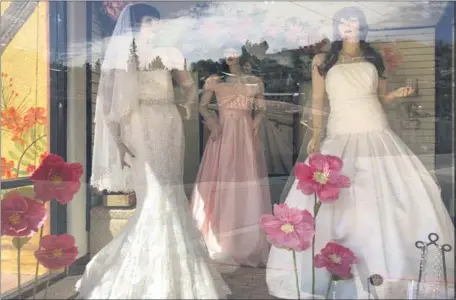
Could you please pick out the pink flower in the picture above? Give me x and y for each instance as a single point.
(337, 259)
(289, 228)
(56, 179)
(321, 176)
(57, 251)
(21, 216)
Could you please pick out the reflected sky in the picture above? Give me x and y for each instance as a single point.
(199, 29)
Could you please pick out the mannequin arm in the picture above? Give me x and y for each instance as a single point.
(260, 104)
(114, 130)
(318, 97)
(383, 95)
(206, 97)
(185, 80)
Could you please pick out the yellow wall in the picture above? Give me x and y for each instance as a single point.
(26, 65)
(25, 62)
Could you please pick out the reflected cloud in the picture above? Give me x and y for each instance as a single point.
(199, 29)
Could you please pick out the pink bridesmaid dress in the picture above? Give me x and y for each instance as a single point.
(232, 189)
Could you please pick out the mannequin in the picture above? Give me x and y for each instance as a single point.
(231, 190)
(392, 201)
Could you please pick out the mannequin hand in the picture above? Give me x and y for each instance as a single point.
(216, 131)
(256, 128)
(403, 92)
(123, 150)
(313, 145)
(215, 128)
(188, 110)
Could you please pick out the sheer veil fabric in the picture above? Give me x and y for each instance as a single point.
(159, 253)
(116, 98)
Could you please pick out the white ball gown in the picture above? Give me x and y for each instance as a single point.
(160, 253)
(392, 203)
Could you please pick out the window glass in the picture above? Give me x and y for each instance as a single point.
(209, 112)
(25, 119)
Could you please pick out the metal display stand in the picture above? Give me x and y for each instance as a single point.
(424, 247)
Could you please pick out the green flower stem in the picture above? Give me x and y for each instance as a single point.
(298, 289)
(19, 271)
(25, 151)
(331, 280)
(317, 205)
(47, 285)
(37, 268)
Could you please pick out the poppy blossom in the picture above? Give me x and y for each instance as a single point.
(57, 179)
(57, 251)
(337, 259)
(21, 216)
(322, 176)
(289, 228)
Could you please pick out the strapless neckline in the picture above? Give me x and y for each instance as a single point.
(349, 64)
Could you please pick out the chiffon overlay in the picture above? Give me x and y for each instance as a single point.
(392, 203)
(231, 190)
(160, 253)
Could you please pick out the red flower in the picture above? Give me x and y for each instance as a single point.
(21, 216)
(57, 251)
(337, 259)
(56, 179)
(34, 115)
(43, 156)
(289, 228)
(12, 119)
(321, 176)
(30, 168)
(6, 167)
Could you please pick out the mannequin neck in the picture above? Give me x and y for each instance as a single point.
(351, 48)
(235, 70)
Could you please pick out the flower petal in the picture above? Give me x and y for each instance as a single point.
(343, 181)
(320, 261)
(14, 201)
(280, 210)
(303, 172)
(328, 193)
(270, 222)
(77, 170)
(308, 187)
(334, 162)
(317, 161)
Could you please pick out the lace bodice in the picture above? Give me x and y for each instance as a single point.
(155, 86)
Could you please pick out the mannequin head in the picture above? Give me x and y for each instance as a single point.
(350, 25)
(247, 67)
(231, 56)
(143, 18)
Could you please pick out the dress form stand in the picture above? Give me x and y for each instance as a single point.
(432, 263)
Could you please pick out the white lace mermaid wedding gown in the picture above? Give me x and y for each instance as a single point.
(159, 254)
(393, 201)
